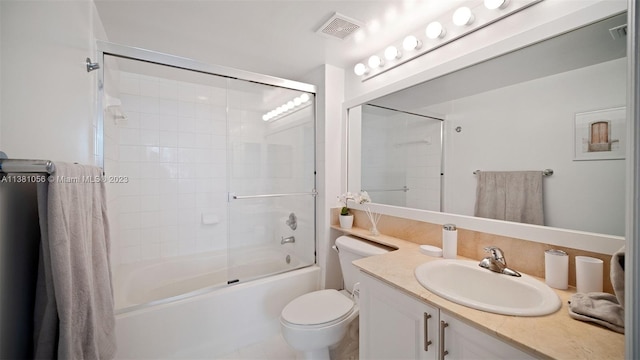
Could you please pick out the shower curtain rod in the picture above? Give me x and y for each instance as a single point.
(26, 166)
(545, 172)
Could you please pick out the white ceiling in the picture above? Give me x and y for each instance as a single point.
(270, 37)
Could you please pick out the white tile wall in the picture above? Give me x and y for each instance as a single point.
(172, 147)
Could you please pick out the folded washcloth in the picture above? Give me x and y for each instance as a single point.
(598, 307)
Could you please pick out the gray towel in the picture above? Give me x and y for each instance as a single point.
(617, 275)
(74, 304)
(598, 307)
(512, 196)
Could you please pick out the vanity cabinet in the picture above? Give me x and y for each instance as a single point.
(394, 325)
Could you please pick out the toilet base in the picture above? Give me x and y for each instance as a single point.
(318, 354)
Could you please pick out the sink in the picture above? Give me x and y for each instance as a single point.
(466, 283)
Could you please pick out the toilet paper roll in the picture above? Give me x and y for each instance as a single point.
(588, 274)
(556, 269)
(449, 241)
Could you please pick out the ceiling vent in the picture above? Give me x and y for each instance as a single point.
(339, 27)
(618, 32)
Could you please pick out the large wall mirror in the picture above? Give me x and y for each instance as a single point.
(531, 109)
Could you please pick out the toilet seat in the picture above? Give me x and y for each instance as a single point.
(318, 309)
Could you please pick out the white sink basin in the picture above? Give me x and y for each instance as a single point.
(466, 283)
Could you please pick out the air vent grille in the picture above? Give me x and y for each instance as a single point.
(339, 26)
(618, 32)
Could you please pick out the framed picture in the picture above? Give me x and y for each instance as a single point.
(600, 134)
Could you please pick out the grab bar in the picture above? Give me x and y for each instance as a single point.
(404, 188)
(242, 197)
(26, 166)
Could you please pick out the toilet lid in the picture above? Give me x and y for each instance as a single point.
(317, 307)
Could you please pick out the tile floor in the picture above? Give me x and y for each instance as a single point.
(276, 348)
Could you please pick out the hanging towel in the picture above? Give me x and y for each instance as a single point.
(512, 196)
(74, 316)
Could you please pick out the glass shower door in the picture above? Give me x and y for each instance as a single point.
(271, 180)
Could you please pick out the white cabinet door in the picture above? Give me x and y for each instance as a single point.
(394, 325)
(462, 341)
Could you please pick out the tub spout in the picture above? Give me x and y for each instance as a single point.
(286, 240)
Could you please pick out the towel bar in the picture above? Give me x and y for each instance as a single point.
(545, 172)
(26, 166)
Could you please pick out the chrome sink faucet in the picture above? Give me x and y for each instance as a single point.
(496, 262)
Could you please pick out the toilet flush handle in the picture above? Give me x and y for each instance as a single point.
(355, 292)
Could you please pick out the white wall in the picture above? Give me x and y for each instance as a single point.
(48, 108)
(330, 139)
(581, 195)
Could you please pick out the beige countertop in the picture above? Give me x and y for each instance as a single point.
(555, 336)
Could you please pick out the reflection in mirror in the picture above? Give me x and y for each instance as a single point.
(519, 111)
(401, 156)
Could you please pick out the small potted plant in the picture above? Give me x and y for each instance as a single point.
(346, 218)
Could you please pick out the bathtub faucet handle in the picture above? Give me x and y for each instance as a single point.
(292, 221)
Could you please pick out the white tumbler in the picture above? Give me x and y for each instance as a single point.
(588, 274)
(556, 269)
(449, 241)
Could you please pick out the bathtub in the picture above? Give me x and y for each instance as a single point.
(185, 309)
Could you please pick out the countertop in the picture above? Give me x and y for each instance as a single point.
(555, 336)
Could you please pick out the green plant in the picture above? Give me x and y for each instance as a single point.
(361, 198)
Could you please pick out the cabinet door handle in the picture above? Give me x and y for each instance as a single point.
(443, 352)
(427, 342)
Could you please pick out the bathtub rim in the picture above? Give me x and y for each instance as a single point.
(203, 291)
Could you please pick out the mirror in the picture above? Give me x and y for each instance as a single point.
(530, 109)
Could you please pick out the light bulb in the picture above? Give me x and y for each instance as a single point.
(291, 104)
(375, 61)
(496, 4)
(297, 101)
(463, 16)
(360, 69)
(411, 43)
(392, 53)
(435, 30)
(305, 98)
(265, 117)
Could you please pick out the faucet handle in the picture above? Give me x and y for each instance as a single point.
(496, 253)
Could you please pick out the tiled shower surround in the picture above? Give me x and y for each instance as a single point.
(173, 148)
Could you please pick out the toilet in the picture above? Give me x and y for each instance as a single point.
(314, 322)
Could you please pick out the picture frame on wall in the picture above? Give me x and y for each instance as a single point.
(600, 134)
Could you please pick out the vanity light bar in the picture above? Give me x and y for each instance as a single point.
(439, 32)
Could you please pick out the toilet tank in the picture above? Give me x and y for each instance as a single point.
(351, 248)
